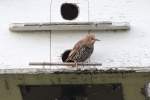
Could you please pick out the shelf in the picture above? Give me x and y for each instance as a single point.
(78, 26)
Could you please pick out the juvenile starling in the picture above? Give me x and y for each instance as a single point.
(83, 49)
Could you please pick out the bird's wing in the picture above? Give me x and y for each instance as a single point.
(76, 48)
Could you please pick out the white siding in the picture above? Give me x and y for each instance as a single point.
(116, 49)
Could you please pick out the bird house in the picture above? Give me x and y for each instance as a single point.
(74, 18)
(48, 50)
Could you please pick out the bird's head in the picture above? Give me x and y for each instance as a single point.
(91, 39)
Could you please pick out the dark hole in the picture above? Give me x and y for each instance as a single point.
(69, 11)
(72, 92)
(65, 55)
(26, 90)
(115, 87)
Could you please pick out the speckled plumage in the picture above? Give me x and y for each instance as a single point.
(83, 49)
(83, 54)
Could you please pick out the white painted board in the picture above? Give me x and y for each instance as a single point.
(116, 49)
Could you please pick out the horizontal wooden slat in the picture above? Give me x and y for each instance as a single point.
(63, 64)
(106, 25)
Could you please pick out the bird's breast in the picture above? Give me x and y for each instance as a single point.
(83, 54)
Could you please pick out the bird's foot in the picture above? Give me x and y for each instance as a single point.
(76, 65)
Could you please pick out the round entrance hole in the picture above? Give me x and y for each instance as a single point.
(69, 11)
(65, 55)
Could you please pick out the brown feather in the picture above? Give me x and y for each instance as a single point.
(86, 42)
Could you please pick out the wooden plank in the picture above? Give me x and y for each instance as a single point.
(73, 70)
(101, 26)
(63, 64)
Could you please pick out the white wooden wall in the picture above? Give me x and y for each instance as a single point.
(116, 49)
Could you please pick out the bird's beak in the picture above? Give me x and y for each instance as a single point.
(97, 40)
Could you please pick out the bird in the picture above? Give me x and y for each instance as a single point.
(83, 49)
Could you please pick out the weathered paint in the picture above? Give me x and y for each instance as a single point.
(132, 82)
(80, 26)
